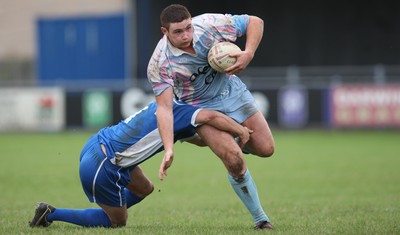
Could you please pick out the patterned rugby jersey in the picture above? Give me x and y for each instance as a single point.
(194, 81)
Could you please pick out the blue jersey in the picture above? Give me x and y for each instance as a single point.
(137, 138)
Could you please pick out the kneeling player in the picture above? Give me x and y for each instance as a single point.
(109, 164)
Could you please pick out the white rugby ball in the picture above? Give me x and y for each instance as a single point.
(218, 56)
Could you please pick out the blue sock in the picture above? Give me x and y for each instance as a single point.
(91, 217)
(131, 199)
(246, 189)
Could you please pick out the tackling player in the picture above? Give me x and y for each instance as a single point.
(109, 164)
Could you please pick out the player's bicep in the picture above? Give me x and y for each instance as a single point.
(164, 99)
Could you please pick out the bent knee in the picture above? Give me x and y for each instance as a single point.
(146, 190)
(266, 151)
(149, 189)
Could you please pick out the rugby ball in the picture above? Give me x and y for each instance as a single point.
(218, 56)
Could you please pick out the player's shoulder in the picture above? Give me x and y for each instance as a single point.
(145, 113)
(213, 21)
(158, 55)
(161, 47)
(210, 18)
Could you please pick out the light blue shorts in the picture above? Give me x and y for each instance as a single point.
(235, 100)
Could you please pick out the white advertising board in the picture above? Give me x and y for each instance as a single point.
(32, 109)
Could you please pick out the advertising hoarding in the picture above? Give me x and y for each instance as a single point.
(365, 106)
(32, 109)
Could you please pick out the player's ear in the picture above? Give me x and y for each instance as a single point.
(164, 30)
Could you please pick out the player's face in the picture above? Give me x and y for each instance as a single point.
(180, 34)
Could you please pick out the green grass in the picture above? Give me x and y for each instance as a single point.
(318, 182)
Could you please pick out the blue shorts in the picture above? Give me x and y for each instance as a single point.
(235, 100)
(102, 181)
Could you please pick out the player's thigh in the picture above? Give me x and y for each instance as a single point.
(102, 181)
(140, 185)
(118, 215)
(225, 147)
(218, 141)
(261, 141)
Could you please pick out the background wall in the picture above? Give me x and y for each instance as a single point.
(301, 33)
(18, 17)
(308, 50)
(310, 33)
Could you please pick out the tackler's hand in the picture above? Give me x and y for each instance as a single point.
(244, 137)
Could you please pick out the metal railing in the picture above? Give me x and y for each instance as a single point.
(22, 73)
(319, 76)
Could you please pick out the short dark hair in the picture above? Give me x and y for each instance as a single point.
(174, 13)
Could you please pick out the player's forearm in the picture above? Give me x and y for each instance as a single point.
(165, 118)
(225, 123)
(166, 128)
(254, 34)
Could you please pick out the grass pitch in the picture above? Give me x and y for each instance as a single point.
(318, 182)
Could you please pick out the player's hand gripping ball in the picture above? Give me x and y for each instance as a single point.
(218, 56)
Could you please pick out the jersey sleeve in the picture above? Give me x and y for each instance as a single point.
(158, 70)
(241, 23)
(224, 27)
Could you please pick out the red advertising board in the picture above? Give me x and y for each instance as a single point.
(365, 106)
